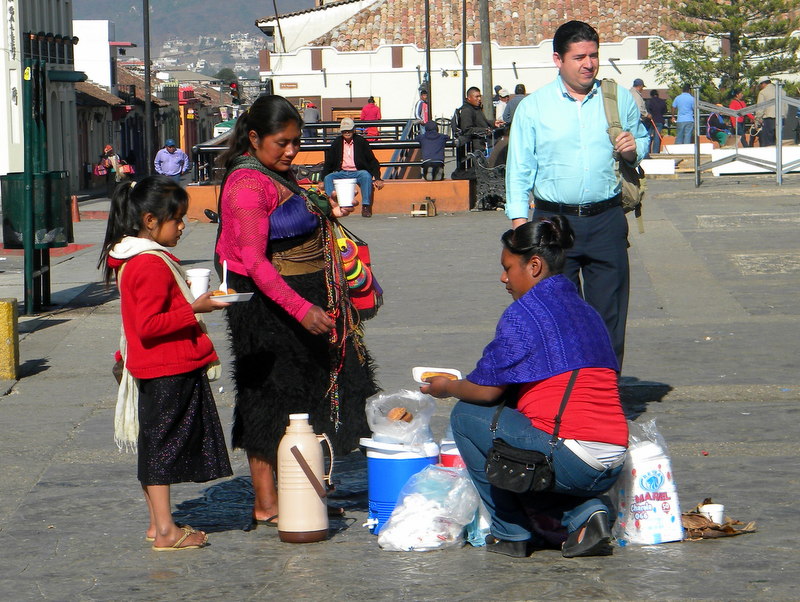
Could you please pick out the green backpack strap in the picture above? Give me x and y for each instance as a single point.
(608, 88)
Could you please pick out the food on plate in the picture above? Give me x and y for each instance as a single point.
(403, 414)
(218, 293)
(428, 375)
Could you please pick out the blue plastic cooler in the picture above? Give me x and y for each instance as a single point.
(389, 466)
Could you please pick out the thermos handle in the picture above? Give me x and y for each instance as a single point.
(327, 477)
(312, 478)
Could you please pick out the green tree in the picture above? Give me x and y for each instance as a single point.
(749, 39)
(226, 76)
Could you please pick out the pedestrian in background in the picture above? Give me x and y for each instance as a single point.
(371, 112)
(431, 143)
(738, 124)
(683, 109)
(166, 351)
(766, 115)
(113, 164)
(657, 107)
(350, 156)
(511, 106)
(171, 161)
(310, 116)
(421, 109)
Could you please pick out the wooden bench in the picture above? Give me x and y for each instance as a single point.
(396, 196)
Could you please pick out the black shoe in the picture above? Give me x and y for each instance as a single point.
(595, 540)
(366, 211)
(515, 549)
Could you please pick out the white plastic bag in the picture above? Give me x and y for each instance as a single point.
(646, 497)
(416, 432)
(432, 510)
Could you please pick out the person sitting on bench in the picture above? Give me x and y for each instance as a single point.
(431, 143)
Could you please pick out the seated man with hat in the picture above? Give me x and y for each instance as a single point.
(350, 156)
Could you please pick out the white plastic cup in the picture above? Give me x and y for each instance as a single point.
(713, 512)
(345, 191)
(198, 280)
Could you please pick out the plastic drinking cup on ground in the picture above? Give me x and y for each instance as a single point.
(713, 512)
(198, 280)
(345, 191)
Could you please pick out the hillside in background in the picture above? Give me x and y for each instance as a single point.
(186, 19)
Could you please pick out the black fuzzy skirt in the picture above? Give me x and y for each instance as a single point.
(280, 369)
(180, 435)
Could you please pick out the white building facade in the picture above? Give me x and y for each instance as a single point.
(393, 74)
(41, 31)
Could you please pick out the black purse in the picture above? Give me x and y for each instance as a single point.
(523, 470)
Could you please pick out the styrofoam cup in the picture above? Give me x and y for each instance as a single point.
(345, 191)
(198, 280)
(713, 512)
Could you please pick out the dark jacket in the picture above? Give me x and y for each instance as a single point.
(431, 143)
(656, 107)
(362, 156)
(472, 121)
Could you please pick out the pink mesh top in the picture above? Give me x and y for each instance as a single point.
(248, 200)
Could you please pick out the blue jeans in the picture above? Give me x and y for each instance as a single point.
(655, 138)
(683, 132)
(572, 500)
(364, 183)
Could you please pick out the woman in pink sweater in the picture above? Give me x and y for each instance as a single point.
(295, 344)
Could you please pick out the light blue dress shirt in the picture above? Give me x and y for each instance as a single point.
(559, 148)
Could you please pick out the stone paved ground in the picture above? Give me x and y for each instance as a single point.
(712, 355)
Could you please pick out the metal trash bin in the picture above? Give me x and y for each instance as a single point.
(52, 216)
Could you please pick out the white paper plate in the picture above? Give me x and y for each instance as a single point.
(418, 371)
(234, 298)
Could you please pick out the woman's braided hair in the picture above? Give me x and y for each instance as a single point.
(547, 237)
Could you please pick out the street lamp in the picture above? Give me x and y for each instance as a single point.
(148, 109)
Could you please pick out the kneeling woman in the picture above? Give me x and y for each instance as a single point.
(543, 336)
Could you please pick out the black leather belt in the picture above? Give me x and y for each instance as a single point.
(582, 210)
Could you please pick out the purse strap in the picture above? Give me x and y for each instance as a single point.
(554, 440)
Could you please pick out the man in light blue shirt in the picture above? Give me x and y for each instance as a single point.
(560, 151)
(171, 161)
(683, 105)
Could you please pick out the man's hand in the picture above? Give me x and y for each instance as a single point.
(378, 183)
(625, 146)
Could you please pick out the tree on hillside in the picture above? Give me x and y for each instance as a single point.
(226, 75)
(750, 39)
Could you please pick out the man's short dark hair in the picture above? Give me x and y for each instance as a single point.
(519, 89)
(571, 32)
(686, 88)
(473, 89)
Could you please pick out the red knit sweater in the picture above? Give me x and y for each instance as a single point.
(164, 337)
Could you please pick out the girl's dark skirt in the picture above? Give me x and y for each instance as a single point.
(180, 435)
(280, 369)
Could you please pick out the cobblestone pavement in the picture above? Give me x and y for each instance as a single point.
(711, 354)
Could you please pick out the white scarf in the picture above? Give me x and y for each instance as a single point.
(126, 415)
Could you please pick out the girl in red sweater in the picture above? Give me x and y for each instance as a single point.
(166, 351)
